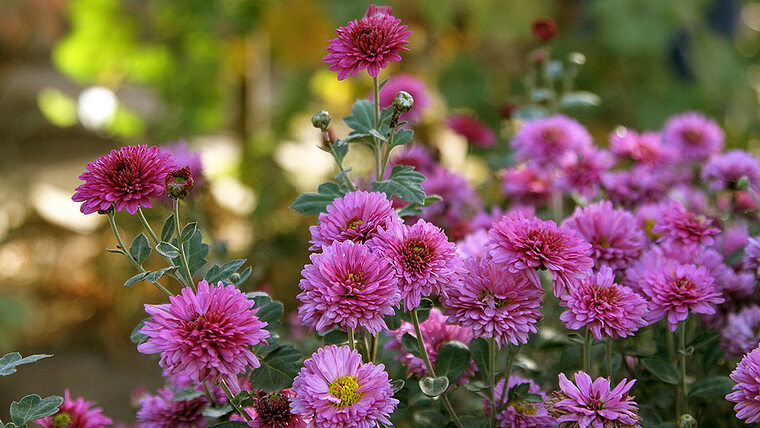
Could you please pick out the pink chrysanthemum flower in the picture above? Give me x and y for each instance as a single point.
(641, 184)
(273, 411)
(723, 171)
(495, 302)
(354, 217)
(474, 245)
(751, 259)
(526, 184)
(520, 413)
(650, 261)
(161, 411)
(614, 234)
(676, 291)
(476, 132)
(747, 388)
(545, 141)
(593, 403)
(436, 333)
(76, 413)
(582, 172)
(522, 243)
(683, 231)
(423, 259)
(740, 334)
(693, 135)
(606, 308)
(645, 148)
(367, 44)
(348, 286)
(127, 178)
(339, 391)
(206, 335)
(415, 87)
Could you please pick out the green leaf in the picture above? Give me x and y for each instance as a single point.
(270, 313)
(711, 387)
(411, 345)
(397, 385)
(32, 407)
(167, 250)
(140, 248)
(404, 182)
(217, 412)
(335, 337)
(8, 362)
(315, 203)
(168, 230)
(136, 337)
(579, 99)
(402, 137)
(341, 149)
(195, 251)
(134, 279)
(662, 370)
(429, 419)
(230, 424)
(736, 257)
(220, 273)
(188, 231)
(362, 117)
(433, 387)
(244, 275)
(452, 360)
(187, 394)
(414, 209)
(152, 277)
(704, 339)
(393, 321)
(479, 352)
(576, 338)
(378, 136)
(277, 370)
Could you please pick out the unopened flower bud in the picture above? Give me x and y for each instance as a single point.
(321, 120)
(403, 102)
(234, 278)
(106, 211)
(577, 58)
(179, 183)
(742, 183)
(687, 421)
(544, 29)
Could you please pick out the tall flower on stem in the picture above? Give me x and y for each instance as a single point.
(592, 403)
(76, 413)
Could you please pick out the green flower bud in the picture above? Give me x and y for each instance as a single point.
(321, 120)
(179, 183)
(742, 183)
(403, 102)
(687, 421)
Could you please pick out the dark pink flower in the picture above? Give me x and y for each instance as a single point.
(520, 413)
(545, 141)
(747, 388)
(161, 411)
(693, 135)
(417, 156)
(582, 172)
(652, 260)
(367, 44)
(415, 87)
(476, 132)
(76, 413)
(544, 29)
(640, 185)
(593, 403)
(683, 231)
(127, 178)
(273, 411)
(723, 171)
(527, 184)
(645, 148)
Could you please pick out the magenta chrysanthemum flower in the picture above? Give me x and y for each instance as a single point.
(640, 185)
(127, 178)
(415, 87)
(354, 217)
(423, 259)
(593, 403)
(723, 171)
(161, 411)
(645, 148)
(76, 413)
(545, 141)
(747, 388)
(676, 291)
(740, 335)
(693, 135)
(683, 231)
(273, 411)
(367, 44)
(751, 259)
(436, 333)
(614, 234)
(474, 245)
(606, 308)
(522, 243)
(526, 184)
(582, 172)
(348, 286)
(495, 302)
(520, 413)
(206, 335)
(651, 260)
(339, 391)
(476, 132)
(460, 201)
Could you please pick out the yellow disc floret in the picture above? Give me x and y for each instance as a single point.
(62, 419)
(345, 388)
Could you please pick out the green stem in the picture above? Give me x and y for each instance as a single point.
(338, 160)
(376, 85)
(229, 395)
(181, 245)
(373, 351)
(351, 340)
(587, 351)
(379, 148)
(512, 352)
(682, 405)
(608, 356)
(210, 396)
(492, 379)
(145, 224)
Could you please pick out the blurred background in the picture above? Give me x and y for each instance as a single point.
(236, 82)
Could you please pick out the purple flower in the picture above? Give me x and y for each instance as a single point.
(354, 217)
(520, 413)
(436, 333)
(614, 234)
(460, 201)
(693, 135)
(339, 390)
(752, 255)
(474, 245)
(723, 171)
(740, 336)
(594, 404)
(206, 335)
(495, 302)
(606, 308)
(652, 260)
(675, 292)
(127, 178)
(521, 243)
(582, 172)
(273, 411)
(348, 286)
(415, 87)
(416, 156)
(161, 411)
(476, 132)
(77, 413)
(546, 141)
(367, 44)
(645, 148)
(683, 231)
(747, 388)
(422, 258)
(526, 184)
(640, 185)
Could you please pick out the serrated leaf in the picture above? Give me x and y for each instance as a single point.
(711, 387)
(579, 99)
(479, 352)
(33, 407)
(362, 117)
(402, 137)
(220, 273)
(134, 279)
(378, 136)
(152, 277)
(315, 203)
(167, 231)
(411, 345)
(277, 370)
(188, 231)
(403, 182)
(433, 387)
(452, 360)
(195, 251)
(136, 337)
(271, 313)
(140, 248)
(167, 250)
(9, 362)
(244, 275)
(662, 370)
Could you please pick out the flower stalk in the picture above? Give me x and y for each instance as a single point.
(181, 246)
(230, 397)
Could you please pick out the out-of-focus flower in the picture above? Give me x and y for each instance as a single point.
(683, 231)
(416, 156)
(693, 135)
(161, 411)
(460, 201)
(76, 413)
(526, 184)
(593, 403)
(546, 141)
(640, 185)
(476, 132)
(582, 172)
(474, 245)
(747, 388)
(544, 29)
(752, 255)
(645, 148)
(520, 413)
(723, 171)
(740, 336)
(273, 411)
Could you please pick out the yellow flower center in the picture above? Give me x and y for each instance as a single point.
(523, 408)
(62, 419)
(345, 388)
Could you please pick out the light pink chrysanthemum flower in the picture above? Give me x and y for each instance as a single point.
(354, 217)
(161, 411)
(521, 243)
(436, 333)
(693, 135)
(340, 391)
(77, 413)
(423, 259)
(645, 148)
(545, 141)
(751, 259)
(475, 131)
(273, 411)
(676, 291)
(606, 308)
(520, 413)
(683, 231)
(127, 178)
(651, 260)
(527, 184)
(593, 403)
(474, 245)
(740, 334)
(747, 388)
(723, 171)
(495, 302)
(346, 285)
(367, 44)
(206, 335)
